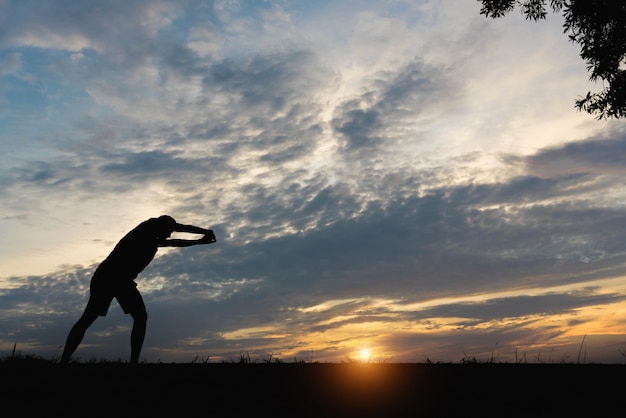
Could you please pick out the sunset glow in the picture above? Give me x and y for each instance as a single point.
(365, 354)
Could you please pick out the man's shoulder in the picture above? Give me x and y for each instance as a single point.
(146, 227)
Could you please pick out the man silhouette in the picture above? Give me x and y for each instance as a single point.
(115, 278)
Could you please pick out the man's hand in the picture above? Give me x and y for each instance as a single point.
(208, 238)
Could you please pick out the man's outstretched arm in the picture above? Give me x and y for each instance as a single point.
(208, 238)
(184, 242)
(192, 229)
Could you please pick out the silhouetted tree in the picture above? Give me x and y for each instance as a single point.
(599, 27)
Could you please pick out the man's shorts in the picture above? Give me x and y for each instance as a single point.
(104, 289)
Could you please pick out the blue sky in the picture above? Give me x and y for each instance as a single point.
(406, 177)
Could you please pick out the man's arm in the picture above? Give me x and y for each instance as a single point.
(192, 229)
(208, 238)
(183, 242)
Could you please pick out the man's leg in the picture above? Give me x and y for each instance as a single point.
(132, 303)
(76, 334)
(140, 319)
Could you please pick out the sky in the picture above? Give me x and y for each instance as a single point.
(397, 181)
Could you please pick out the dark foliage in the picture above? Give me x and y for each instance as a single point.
(599, 28)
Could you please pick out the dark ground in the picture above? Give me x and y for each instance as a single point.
(312, 389)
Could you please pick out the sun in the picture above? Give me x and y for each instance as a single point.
(365, 354)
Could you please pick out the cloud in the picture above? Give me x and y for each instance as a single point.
(392, 105)
(595, 156)
(74, 27)
(148, 164)
(548, 304)
(458, 237)
(268, 82)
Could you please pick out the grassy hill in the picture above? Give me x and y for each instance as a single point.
(35, 386)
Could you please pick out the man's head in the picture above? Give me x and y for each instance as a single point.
(167, 224)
